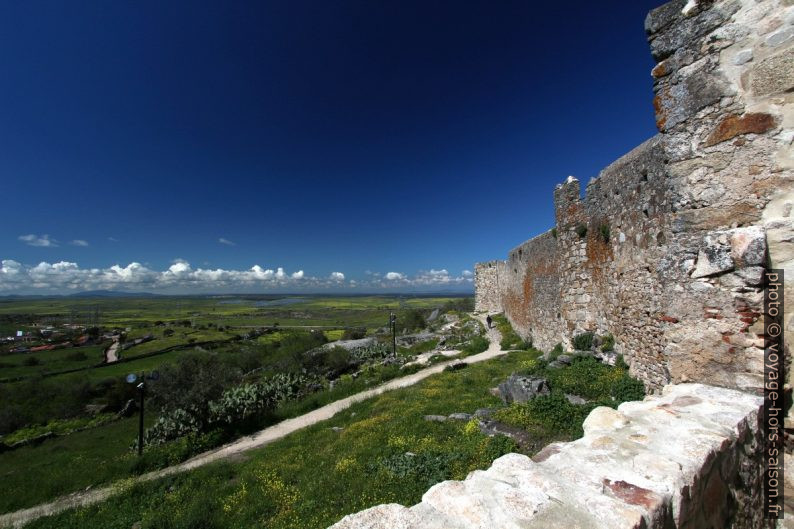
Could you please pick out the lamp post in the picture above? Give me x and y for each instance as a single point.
(393, 323)
(131, 379)
(142, 389)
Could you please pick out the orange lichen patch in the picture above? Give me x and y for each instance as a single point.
(661, 116)
(598, 251)
(632, 494)
(528, 288)
(668, 319)
(733, 125)
(516, 308)
(660, 70)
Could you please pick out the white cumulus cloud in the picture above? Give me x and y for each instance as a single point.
(227, 242)
(43, 241)
(181, 277)
(78, 242)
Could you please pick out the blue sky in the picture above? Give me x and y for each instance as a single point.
(186, 143)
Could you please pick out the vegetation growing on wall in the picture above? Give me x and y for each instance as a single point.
(603, 231)
(583, 341)
(510, 339)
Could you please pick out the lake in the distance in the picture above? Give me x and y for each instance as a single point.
(266, 302)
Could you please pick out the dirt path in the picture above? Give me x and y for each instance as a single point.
(111, 355)
(259, 439)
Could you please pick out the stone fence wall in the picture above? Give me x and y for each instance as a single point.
(667, 249)
(690, 458)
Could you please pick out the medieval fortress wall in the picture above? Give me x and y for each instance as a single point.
(667, 248)
(666, 252)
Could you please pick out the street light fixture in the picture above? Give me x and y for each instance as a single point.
(393, 324)
(131, 379)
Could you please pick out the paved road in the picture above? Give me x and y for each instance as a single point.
(259, 439)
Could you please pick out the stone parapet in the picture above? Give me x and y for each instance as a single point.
(688, 458)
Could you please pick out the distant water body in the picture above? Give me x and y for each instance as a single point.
(266, 303)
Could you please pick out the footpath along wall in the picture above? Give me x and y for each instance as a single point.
(666, 250)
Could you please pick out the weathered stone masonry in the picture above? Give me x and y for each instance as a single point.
(667, 248)
(666, 251)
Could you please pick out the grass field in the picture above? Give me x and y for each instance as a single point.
(314, 477)
(22, 365)
(102, 453)
(58, 466)
(236, 315)
(223, 310)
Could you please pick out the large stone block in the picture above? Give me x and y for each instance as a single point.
(663, 16)
(774, 74)
(712, 260)
(685, 30)
(678, 102)
(748, 246)
(732, 126)
(521, 389)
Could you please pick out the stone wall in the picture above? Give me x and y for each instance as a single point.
(487, 294)
(667, 248)
(690, 458)
(530, 284)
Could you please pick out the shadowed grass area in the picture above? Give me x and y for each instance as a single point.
(34, 474)
(510, 339)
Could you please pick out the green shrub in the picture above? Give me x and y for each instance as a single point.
(478, 344)
(620, 363)
(411, 320)
(495, 447)
(192, 383)
(332, 362)
(30, 361)
(554, 232)
(608, 343)
(583, 341)
(586, 377)
(603, 231)
(76, 357)
(231, 411)
(546, 416)
(354, 334)
(581, 230)
(426, 468)
(627, 389)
